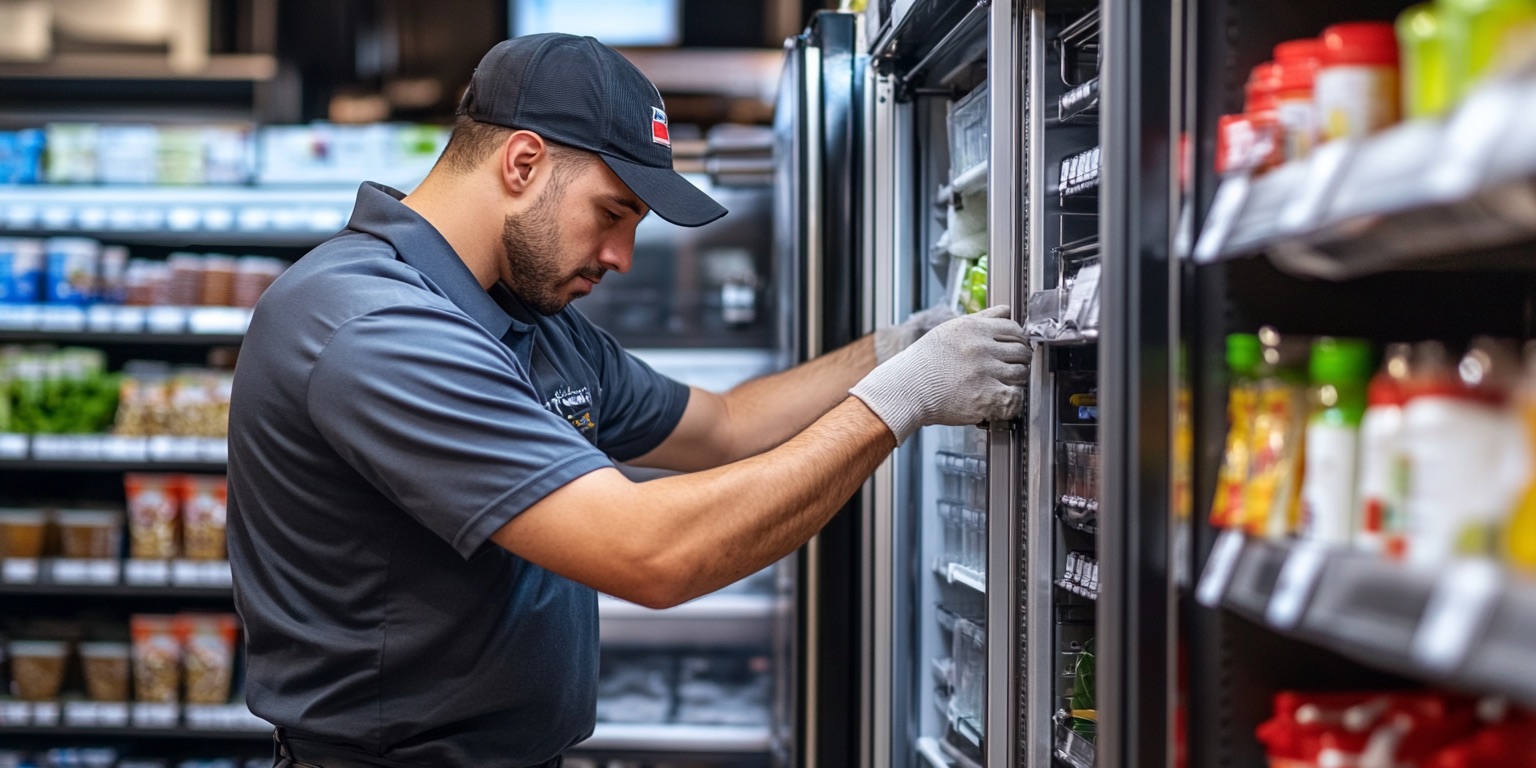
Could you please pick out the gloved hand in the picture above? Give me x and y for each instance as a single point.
(893, 339)
(968, 370)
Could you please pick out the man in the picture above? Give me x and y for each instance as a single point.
(423, 499)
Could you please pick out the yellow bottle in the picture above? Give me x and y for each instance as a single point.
(1520, 533)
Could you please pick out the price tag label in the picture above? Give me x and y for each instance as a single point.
(15, 713)
(112, 714)
(128, 319)
(20, 570)
(62, 319)
(1458, 610)
(45, 713)
(166, 320)
(13, 446)
(1225, 208)
(155, 715)
(83, 571)
(12, 318)
(1294, 586)
(80, 713)
(1219, 568)
(100, 318)
(120, 448)
(223, 320)
(213, 449)
(147, 573)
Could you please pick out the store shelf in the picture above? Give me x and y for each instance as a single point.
(648, 737)
(114, 578)
(211, 215)
(1452, 194)
(933, 757)
(1079, 105)
(112, 453)
(105, 324)
(717, 620)
(955, 573)
(1080, 575)
(249, 67)
(1467, 624)
(1069, 748)
(84, 718)
(969, 181)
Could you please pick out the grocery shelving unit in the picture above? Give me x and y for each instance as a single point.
(1419, 232)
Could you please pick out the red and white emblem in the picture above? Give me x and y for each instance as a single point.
(659, 133)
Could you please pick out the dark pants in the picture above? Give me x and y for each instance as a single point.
(290, 752)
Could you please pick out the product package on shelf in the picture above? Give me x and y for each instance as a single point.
(1393, 729)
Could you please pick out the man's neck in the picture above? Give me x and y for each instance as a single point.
(462, 214)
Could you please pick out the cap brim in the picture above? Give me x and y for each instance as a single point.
(671, 196)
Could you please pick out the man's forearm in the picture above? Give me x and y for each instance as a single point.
(724, 524)
(766, 411)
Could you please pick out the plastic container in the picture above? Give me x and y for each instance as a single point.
(1340, 370)
(1483, 36)
(89, 534)
(156, 658)
(1519, 541)
(1380, 490)
(37, 668)
(106, 668)
(1421, 48)
(1296, 65)
(1244, 354)
(22, 533)
(1272, 494)
(1357, 85)
(1465, 455)
(21, 270)
(71, 271)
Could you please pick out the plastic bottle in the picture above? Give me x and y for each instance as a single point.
(1381, 475)
(1421, 45)
(1296, 64)
(1357, 85)
(1466, 465)
(1520, 536)
(1244, 354)
(1272, 498)
(1482, 36)
(1340, 371)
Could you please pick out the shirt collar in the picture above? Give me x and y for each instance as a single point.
(380, 212)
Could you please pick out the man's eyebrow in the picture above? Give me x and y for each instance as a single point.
(627, 202)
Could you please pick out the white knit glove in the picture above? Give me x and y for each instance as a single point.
(966, 371)
(893, 339)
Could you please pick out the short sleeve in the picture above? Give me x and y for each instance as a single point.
(641, 407)
(441, 419)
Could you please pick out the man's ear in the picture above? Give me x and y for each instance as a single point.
(524, 159)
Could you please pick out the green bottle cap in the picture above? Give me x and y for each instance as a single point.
(1244, 353)
(1340, 360)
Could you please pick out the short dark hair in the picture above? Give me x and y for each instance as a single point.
(472, 141)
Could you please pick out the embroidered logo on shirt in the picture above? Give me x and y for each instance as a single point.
(573, 405)
(659, 133)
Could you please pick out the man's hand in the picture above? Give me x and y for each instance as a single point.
(967, 370)
(891, 340)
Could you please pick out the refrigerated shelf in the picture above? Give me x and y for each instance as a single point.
(122, 324)
(1467, 624)
(232, 215)
(663, 737)
(718, 620)
(1452, 194)
(934, 757)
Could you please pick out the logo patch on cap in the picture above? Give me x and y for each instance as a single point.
(659, 133)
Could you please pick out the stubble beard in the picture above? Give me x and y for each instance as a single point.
(532, 244)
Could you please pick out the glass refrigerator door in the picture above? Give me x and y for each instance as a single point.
(938, 239)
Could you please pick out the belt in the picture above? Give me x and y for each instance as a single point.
(291, 752)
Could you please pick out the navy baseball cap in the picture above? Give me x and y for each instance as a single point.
(581, 93)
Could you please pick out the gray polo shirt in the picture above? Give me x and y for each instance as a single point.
(388, 416)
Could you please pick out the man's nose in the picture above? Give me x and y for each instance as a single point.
(618, 257)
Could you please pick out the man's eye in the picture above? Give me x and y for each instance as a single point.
(613, 217)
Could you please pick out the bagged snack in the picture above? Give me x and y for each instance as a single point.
(156, 658)
(89, 533)
(153, 506)
(208, 643)
(202, 514)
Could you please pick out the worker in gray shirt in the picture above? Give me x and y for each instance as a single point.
(423, 500)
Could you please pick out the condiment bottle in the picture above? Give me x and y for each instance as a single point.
(1421, 43)
(1482, 36)
(1340, 370)
(1296, 63)
(1520, 535)
(1357, 85)
(1244, 354)
(1381, 476)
